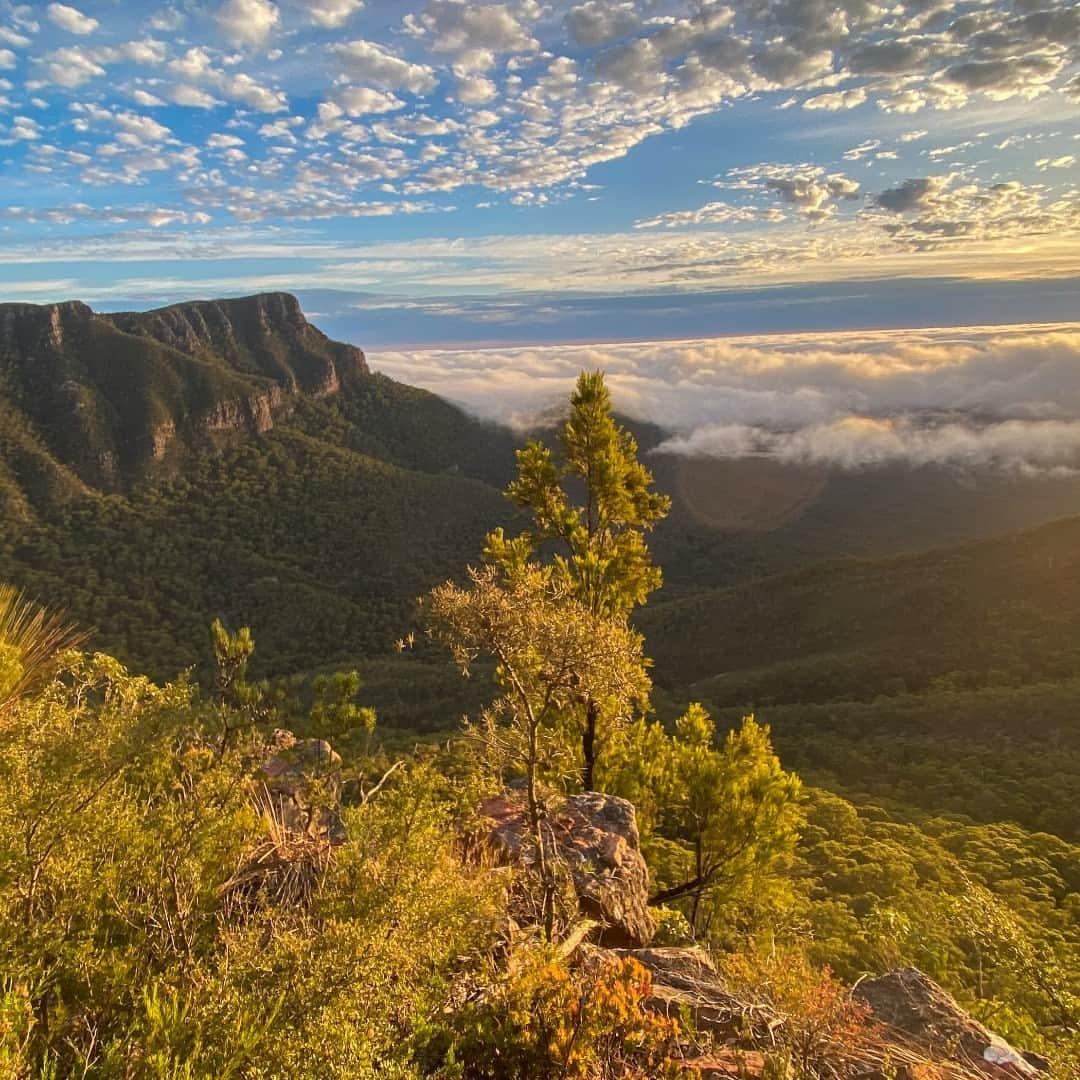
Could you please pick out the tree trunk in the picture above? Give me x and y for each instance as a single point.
(588, 747)
(536, 815)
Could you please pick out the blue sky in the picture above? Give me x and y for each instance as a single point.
(451, 172)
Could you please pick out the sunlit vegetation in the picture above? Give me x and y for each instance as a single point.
(837, 772)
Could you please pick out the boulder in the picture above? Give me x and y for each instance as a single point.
(686, 986)
(924, 1016)
(302, 783)
(685, 983)
(595, 837)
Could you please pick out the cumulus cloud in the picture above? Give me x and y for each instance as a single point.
(539, 93)
(363, 101)
(597, 22)
(810, 189)
(976, 397)
(198, 79)
(365, 61)
(248, 22)
(835, 102)
(472, 33)
(71, 19)
(930, 211)
(332, 13)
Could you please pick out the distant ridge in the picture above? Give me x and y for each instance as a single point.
(115, 398)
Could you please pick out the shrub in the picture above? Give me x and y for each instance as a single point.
(543, 1020)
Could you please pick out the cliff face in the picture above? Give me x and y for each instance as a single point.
(118, 397)
(265, 335)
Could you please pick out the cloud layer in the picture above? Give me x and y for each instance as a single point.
(978, 397)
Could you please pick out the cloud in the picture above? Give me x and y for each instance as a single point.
(597, 22)
(367, 62)
(71, 19)
(248, 22)
(812, 190)
(912, 195)
(23, 129)
(835, 102)
(193, 97)
(471, 33)
(196, 67)
(363, 101)
(857, 442)
(69, 67)
(977, 397)
(332, 13)
(714, 213)
(932, 211)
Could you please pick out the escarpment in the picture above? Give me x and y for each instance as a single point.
(118, 398)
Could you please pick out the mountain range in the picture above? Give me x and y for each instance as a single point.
(226, 459)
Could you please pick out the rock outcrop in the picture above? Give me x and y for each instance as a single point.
(301, 781)
(595, 837)
(686, 984)
(922, 1014)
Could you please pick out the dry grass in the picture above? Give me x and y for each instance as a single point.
(286, 867)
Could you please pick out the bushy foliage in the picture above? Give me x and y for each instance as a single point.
(127, 949)
(543, 1021)
(717, 821)
(821, 1032)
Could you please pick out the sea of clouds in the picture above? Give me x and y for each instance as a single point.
(998, 397)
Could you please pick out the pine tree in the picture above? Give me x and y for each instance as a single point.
(601, 556)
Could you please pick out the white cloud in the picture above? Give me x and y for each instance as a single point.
(464, 30)
(71, 19)
(363, 101)
(8, 60)
(222, 142)
(332, 13)
(812, 190)
(13, 37)
(196, 67)
(475, 90)
(248, 22)
(1005, 397)
(858, 442)
(843, 99)
(714, 213)
(70, 67)
(23, 129)
(367, 62)
(192, 96)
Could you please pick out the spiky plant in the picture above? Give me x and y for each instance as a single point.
(32, 638)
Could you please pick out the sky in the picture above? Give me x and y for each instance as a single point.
(457, 174)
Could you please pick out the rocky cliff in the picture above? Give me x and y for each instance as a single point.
(116, 398)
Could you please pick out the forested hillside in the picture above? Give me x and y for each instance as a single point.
(1003, 611)
(225, 459)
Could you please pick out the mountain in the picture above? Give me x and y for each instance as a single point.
(115, 398)
(226, 459)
